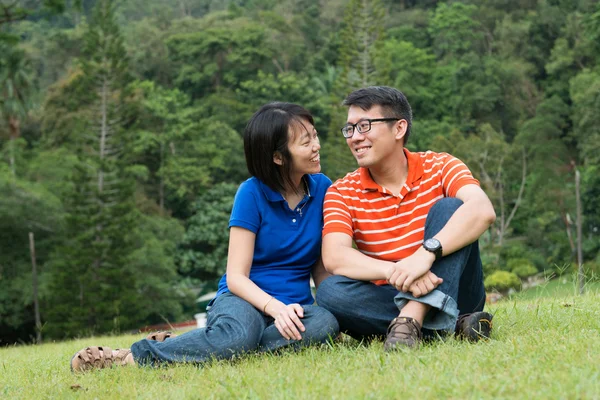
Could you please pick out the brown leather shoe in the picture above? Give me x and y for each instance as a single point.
(403, 332)
(474, 326)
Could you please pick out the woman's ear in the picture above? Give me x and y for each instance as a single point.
(277, 158)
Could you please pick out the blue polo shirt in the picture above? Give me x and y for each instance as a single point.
(288, 242)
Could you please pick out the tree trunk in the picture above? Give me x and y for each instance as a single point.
(580, 275)
(103, 133)
(34, 278)
(14, 127)
(161, 187)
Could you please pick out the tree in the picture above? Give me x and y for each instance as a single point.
(361, 37)
(24, 207)
(16, 87)
(223, 54)
(11, 11)
(495, 163)
(454, 30)
(549, 201)
(203, 251)
(93, 287)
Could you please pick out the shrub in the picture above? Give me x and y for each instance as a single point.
(522, 267)
(502, 281)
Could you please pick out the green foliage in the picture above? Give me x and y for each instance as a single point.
(203, 252)
(25, 207)
(361, 37)
(502, 281)
(156, 279)
(223, 54)
(454, 31)
(521, 267)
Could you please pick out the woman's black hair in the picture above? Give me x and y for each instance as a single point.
(267, 132)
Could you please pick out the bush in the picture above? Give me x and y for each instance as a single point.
(522, 267)
(502, 281)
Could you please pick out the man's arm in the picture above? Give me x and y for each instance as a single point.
(340, 258)
(466, 225)
(470, 220)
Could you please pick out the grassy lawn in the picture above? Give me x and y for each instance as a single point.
(559, 287)
(543, 348)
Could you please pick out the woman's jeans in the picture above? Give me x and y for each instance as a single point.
(364, 309)
(234, 327)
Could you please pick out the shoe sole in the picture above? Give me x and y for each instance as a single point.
(480, 324)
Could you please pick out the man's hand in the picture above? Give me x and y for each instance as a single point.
(406, 271)
(425, 284)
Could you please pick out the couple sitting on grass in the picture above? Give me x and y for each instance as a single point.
(414, 218)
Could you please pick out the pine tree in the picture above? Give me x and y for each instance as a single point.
(93, 287)
(361, 37)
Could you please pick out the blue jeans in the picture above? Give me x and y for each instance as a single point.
(234, 327)
(364, 309)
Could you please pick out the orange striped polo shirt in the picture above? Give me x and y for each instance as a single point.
(385, 226)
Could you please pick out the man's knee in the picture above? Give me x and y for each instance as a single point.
(447, 205)
(320, 324)
(440, 212)
(329, 291)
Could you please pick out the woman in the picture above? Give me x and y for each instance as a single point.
(264, 300)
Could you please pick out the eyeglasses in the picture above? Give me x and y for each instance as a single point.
(363, 126)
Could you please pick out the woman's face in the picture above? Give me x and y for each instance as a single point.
(304, 149)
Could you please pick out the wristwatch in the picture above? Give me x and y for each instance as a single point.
(434, 246)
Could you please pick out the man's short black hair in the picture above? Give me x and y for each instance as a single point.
(266, 133)
(392, 101)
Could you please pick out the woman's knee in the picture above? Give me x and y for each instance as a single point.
(237, 333)
(320, 324)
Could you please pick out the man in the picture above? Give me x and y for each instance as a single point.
(414, 219)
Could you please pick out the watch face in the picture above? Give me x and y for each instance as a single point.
(432, 243)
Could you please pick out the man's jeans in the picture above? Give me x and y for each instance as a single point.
(233, 327)
(364, 309)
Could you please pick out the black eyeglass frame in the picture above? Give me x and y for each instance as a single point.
(369, 120)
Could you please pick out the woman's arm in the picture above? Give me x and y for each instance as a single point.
(239, 262)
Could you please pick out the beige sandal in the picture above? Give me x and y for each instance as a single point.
(160, 336)
(98, 357)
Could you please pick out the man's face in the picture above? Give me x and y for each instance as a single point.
(372, 147)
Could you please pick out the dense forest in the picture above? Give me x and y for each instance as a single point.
(121, 123)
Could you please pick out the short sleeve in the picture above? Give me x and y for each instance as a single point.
(245, 213)
(455, 175)
(336, 215)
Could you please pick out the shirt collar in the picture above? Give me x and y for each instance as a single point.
(415, 172)
(275, 196)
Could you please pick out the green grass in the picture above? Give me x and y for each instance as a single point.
(541, 348)
(559, 287)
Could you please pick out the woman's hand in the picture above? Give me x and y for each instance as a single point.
(287, 319)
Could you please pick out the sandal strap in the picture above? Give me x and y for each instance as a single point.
(160, 336)
(98, 357)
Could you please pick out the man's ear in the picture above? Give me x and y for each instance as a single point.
(277, 158)
(400, 129)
